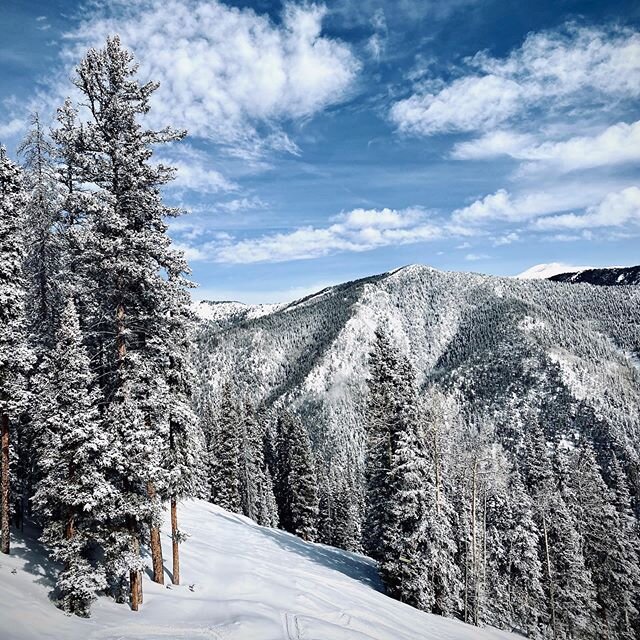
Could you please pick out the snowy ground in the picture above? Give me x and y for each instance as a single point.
(249, 583)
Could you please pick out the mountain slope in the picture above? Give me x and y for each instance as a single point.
(249, 583)
(503, 348)
(611, 276)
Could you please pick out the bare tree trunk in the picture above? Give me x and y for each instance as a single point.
(4, 518)
(175, 541)
(70, 527)
(156, 544)
(135, 579)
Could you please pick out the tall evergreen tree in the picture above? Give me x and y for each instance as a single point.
(14, 353)
(526, 603)
(45, 279)
(224, 474)
(256, 487)
(295, 482)
(382, 414)
(567, 581)
(607, 542)
(127, 263)
(74, 496)
(403, 563)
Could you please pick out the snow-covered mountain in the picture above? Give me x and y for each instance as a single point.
(241, 582)
(504, 348)
(610, 276)
(548, 270)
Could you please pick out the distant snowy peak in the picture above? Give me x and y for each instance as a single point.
(546, 271)
(611, 276)
(232, 311)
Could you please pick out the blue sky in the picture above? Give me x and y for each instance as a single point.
(332, 141)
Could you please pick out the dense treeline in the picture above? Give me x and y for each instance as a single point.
(95, 379)
(537, 537)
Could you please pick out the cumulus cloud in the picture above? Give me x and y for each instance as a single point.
(357, 230)
(615, 210)
(617, 144)
(228, 74)
(576, 68)
(238, 205)
(476, 257)
(194, 171)
(493, 144)
(503, 206)
(468, 104)
(12, 128)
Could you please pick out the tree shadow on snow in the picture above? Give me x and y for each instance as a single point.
(349, 564)
(25, 545)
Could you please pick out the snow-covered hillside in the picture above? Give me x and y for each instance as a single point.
(610, 276)
(543, 271)
(241, 582)
(563, 349)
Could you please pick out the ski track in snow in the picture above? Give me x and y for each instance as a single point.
(250, 583)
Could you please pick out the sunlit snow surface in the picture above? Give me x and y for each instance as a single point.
(543, 271)
(249, 583)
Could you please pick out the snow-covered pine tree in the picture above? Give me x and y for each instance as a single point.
(74, 495)
(438, 420)
(256, 486)
(346, 531)
(610, 552)
(403, 566)
(224, 454)
(567, 581)
(526, 602)
(628, 556)
(183, 456)
(43, 213)
(381, 416)
(15, 357)
(127, 257)
(295, 482)
(44, 280)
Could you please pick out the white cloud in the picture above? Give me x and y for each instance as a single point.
(194, 170)
(227, 72)
(12, 128)
(242, 204)
(475, 257)
(506, 207)
(377, 42)
(491, 145)
(501, 205)
(507, 238)
(380, 218)
(615, 210)
(576, 68)
(357, 230)
(617, 144)
(468, 104)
